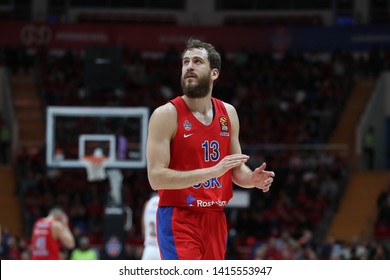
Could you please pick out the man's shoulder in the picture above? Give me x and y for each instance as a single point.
(229, 107)
(167, 109)
(166, 106)
(217, 100)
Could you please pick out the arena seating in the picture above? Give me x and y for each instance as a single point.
(290, 100)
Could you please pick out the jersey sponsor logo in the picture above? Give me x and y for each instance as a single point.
(187, 125)
(224, 134)
(223, 122)
(38, 231)
(43, 225)
(40, 253)
(201, 203)
(209, 184)
(190, 200)
(188, 135)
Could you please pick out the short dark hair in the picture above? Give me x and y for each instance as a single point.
(56, 211)
(213, 56)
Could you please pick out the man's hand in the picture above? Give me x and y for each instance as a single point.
(63, 219)
(261, 178)
(230, 162)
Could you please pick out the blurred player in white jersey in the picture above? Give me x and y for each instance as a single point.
(151, 250)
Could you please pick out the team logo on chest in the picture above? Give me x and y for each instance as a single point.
(223, 122)
(187, 125)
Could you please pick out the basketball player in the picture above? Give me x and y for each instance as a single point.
(151, 251)
(49, 234)
(193, 155)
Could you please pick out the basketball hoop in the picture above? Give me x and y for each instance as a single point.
(95, 167)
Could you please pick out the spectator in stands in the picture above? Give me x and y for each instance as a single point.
(382, 224)
(378, 252)
(369, 147)
(13, 249)
(384, 213)
(3, 245)
(83, 251)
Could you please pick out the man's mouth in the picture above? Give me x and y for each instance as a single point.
(190, 76)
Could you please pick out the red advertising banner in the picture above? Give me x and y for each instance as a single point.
(162, 37)
(147, 38)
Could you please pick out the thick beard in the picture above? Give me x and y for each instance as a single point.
(199, 90)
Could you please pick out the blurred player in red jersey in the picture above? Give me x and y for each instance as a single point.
(193, 155)
(50, 234)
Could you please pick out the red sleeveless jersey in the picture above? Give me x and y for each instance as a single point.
(44, 245)
(196, 146)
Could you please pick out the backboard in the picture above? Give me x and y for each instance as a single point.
(73, 133)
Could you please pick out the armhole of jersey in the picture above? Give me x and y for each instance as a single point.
(177, 121)
(221, 107)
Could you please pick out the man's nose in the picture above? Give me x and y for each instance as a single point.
(190, 66)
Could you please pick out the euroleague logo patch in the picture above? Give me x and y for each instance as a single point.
(223, 122)
(187, 125)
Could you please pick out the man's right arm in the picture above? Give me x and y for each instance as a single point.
(62, 232)
(162, 127)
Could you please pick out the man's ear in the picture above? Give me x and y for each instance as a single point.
(214, 74)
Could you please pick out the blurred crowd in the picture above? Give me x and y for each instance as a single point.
(290, 98)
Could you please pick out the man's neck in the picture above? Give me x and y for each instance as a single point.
(202, 108)
(199, 105)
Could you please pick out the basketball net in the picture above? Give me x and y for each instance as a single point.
(95, 167)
